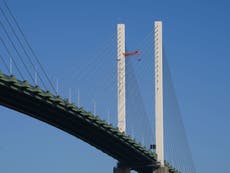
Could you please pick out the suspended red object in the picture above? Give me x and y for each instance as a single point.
(127, 54)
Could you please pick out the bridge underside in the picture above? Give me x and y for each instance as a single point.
(73, 121)
(125, 168)
(146, 169)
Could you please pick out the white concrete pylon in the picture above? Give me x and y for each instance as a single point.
(159, 124)
(121, 77)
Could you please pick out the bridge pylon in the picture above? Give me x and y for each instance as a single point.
(159, 120)
(162, 170)
(121, 105)
(159, 167)
(159, 115)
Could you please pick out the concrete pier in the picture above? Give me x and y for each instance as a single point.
(162, 170)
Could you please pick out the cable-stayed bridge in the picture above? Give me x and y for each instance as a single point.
(27, 88)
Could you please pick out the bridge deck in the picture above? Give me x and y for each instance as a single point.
(44, 106)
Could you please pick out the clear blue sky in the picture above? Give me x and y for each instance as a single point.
(196, 36)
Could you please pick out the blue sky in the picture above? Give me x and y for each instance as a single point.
(196, 35)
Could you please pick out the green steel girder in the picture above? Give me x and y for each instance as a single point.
(44, 106)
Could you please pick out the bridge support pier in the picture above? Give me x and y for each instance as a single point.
(162, 170)
(154, 170)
